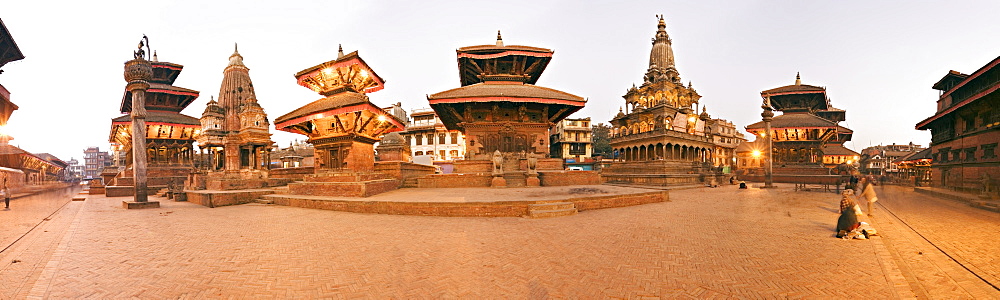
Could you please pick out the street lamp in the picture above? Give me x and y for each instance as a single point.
(768, 115)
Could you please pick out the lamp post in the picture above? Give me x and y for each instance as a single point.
(767, 115)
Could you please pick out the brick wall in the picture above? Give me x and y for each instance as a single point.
(561, 178)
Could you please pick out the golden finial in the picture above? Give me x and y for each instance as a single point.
(499, 39)
(340, 51)
(798, 79)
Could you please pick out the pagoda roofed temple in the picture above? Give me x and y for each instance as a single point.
(659, 138)
(343, 126)
(504, 116)
(807, 133)
(169, 134)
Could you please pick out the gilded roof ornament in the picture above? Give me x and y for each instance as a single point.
(340, 51)
(499, 39)
(798, 79)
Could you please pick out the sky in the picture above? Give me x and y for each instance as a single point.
(877, 59)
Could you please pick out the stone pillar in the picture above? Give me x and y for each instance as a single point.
(767, 116)
(138, 72)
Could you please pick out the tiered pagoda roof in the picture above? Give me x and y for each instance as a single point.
(502, 74)
(163, 103)
(346, 108)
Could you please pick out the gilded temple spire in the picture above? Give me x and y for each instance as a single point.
(798, 79)
(340, 51)
(236, 59)
(499, 39)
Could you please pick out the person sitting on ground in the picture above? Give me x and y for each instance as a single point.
(849, 212)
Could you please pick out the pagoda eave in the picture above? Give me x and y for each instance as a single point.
(369, 107)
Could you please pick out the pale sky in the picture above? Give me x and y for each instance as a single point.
(878, 59)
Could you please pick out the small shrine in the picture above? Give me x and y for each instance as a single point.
(343, 126)
(504, 116)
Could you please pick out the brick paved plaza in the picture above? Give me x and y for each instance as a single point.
(704, 243)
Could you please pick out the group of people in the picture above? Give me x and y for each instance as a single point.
(848, 225)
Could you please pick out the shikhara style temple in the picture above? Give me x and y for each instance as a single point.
(504, 116)
(660, 138)
(169, 134)
(234, 130)
(808, 132)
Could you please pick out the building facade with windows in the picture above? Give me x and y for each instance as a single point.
(428, 137)
(571, 139)
(879, 160)
(94, 161)
(965, 131)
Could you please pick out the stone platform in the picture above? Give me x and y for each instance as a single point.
(482, 202)
(215, 198)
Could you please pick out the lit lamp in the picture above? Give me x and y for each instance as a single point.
(767, 115)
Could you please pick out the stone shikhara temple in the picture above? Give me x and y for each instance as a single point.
(169, 134)
(660, 139)
(234, 131)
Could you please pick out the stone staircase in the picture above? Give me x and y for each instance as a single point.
(515, 179)
(549, 210)
(281, 190)
(410, 182)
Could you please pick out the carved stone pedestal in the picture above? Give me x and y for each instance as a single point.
(498, 182)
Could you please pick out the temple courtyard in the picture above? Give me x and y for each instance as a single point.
(702, 243)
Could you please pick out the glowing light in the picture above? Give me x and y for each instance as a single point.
(692, 119)
(364, 73)
(756, 153)
(3, 129)
(381, 118)
(328, 71)
(763, 134)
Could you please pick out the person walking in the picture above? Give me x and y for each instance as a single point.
(5, 192)
(870, 196)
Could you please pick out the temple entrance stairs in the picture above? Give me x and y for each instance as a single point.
(549, 210)
(515, 179)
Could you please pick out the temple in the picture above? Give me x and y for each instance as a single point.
(169, 134)
(660, 138)
(503, 115)
(807, 133)
(235, 142)
(343, 126)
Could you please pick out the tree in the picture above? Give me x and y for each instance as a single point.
(601, 138)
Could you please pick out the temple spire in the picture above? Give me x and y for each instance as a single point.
(499, 39)
(798, 79)
(236, 59)
(340, 51)
(154, 56)
(661, 57)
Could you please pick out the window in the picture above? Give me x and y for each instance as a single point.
(408, 140)
(419, 139)
(454, 138)
(441, 140)
(418, 153)
(441, 154)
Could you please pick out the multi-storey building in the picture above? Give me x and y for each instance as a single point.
(94, 161)
(427, 136)
(965, 131)
(878, 160)
(74, 169)
(571, 139)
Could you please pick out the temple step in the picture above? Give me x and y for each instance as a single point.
(263, 201)
(281, 190)
(410, 183)
(550, 210)
(515, 179)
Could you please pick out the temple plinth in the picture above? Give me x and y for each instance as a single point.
(504, 116)
(343, 126)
